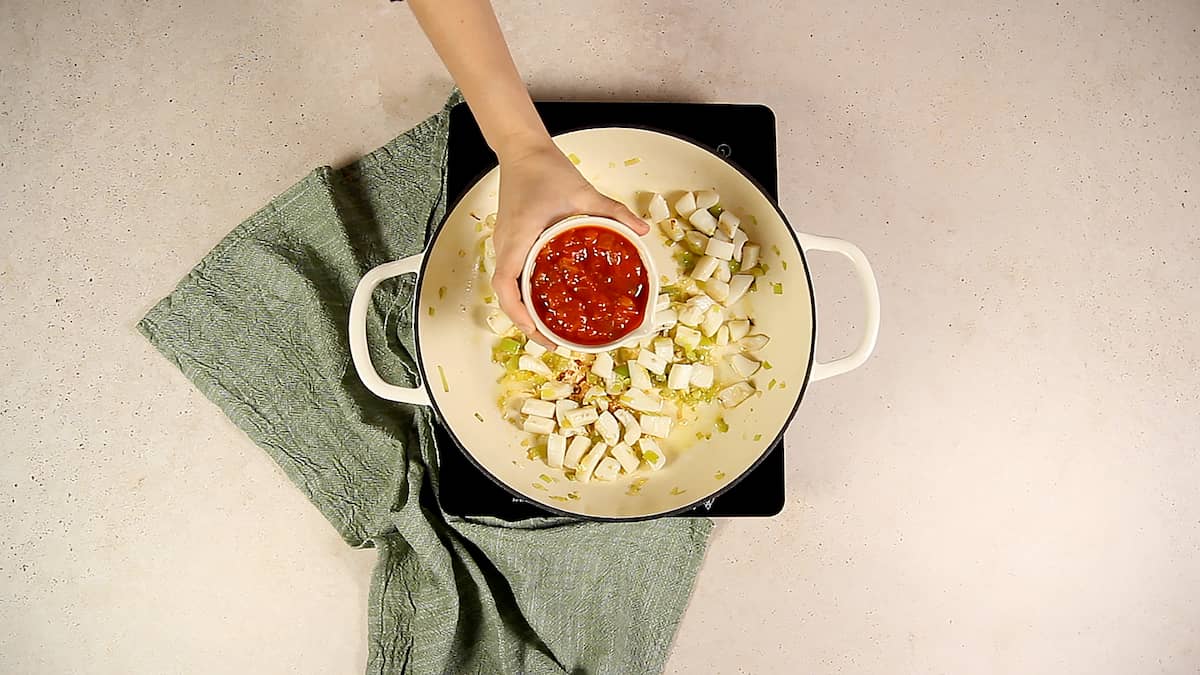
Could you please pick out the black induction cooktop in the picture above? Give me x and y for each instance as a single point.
(743, 134)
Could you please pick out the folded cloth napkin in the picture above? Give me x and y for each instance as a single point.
(260, 327)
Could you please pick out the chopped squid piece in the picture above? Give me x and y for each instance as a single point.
(663, 301)
(602, 367)
(738, 285)
(489, 257)
(703, 302)
(666, 319)
(608, 428)
(533, 406)
(590, 461)
(581, 417)
(680, 376)
(672, 229)
(561, 408)
(705, 267)
(533, 364)
(722, 338)
(703, 221)
(686, 204)
(706, 199)
(721, 250)
(625, 455)
(556, 449)
(695, 242)
(739, 240)
(721, 236)
(633, 430)
(652, 362)
(534, 349)
(729, 223)
(723, 272)
(651, 453)
(499, 323)
(717, 290)
(576, 450)
(552, 391)
(664, 348)
(750, 256)
(608, 469)
(753, 343)
(638, 377)
(538, 425)
(738, 329)
(642, 401)
(743, 366)
(712, 322)
(691, 315)
(702, 376)
(655, 425)
(563, 352)
(733, 395)
(687, 338)
(659, 211)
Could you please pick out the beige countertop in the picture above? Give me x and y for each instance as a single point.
(1011, 485)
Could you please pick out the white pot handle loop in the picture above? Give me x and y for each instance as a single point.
(870, 290)
(359, 351)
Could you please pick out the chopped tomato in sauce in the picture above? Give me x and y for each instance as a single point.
(589, 286)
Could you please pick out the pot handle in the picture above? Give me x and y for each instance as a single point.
(870, 289)
(359, 351)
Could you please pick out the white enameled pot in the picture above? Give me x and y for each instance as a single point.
(454, 342)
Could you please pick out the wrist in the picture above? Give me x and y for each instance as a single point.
(518, 144)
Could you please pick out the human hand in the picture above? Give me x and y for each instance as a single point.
(539, 187)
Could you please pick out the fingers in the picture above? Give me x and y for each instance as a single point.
(504, 282)
(603, 206)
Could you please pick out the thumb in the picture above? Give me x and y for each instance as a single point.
(603, 206)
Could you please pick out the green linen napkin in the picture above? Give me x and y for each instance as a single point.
(260, 327)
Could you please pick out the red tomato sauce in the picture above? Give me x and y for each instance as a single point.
(589, 286)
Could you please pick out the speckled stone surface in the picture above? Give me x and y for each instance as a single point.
(1010, 485)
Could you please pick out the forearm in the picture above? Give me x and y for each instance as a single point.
(467, 37)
